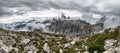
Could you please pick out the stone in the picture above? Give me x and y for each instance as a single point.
(67, 45)
(109, 43)
(46, 48)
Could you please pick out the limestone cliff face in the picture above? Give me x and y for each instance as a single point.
(74, 27)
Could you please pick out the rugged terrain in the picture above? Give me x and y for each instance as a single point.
(59, 26)
(41, 42)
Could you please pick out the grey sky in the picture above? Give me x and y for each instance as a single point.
(104, 7)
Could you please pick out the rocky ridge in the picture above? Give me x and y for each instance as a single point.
(41, 42)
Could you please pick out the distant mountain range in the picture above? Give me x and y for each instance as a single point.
(62, 24)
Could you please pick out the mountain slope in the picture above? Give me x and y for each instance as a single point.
(36, 42)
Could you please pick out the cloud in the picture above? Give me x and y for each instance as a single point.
(4, 12)
(107, 7)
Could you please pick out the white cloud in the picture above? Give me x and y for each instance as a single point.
(41, 15)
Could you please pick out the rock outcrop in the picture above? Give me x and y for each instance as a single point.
(74, 27)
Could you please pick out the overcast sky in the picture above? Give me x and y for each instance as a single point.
(104, 7)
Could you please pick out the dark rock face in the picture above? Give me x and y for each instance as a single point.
(74, 26)
(97, 27)
(20, 26)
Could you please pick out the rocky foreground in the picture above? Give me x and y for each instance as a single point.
(41, 42)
